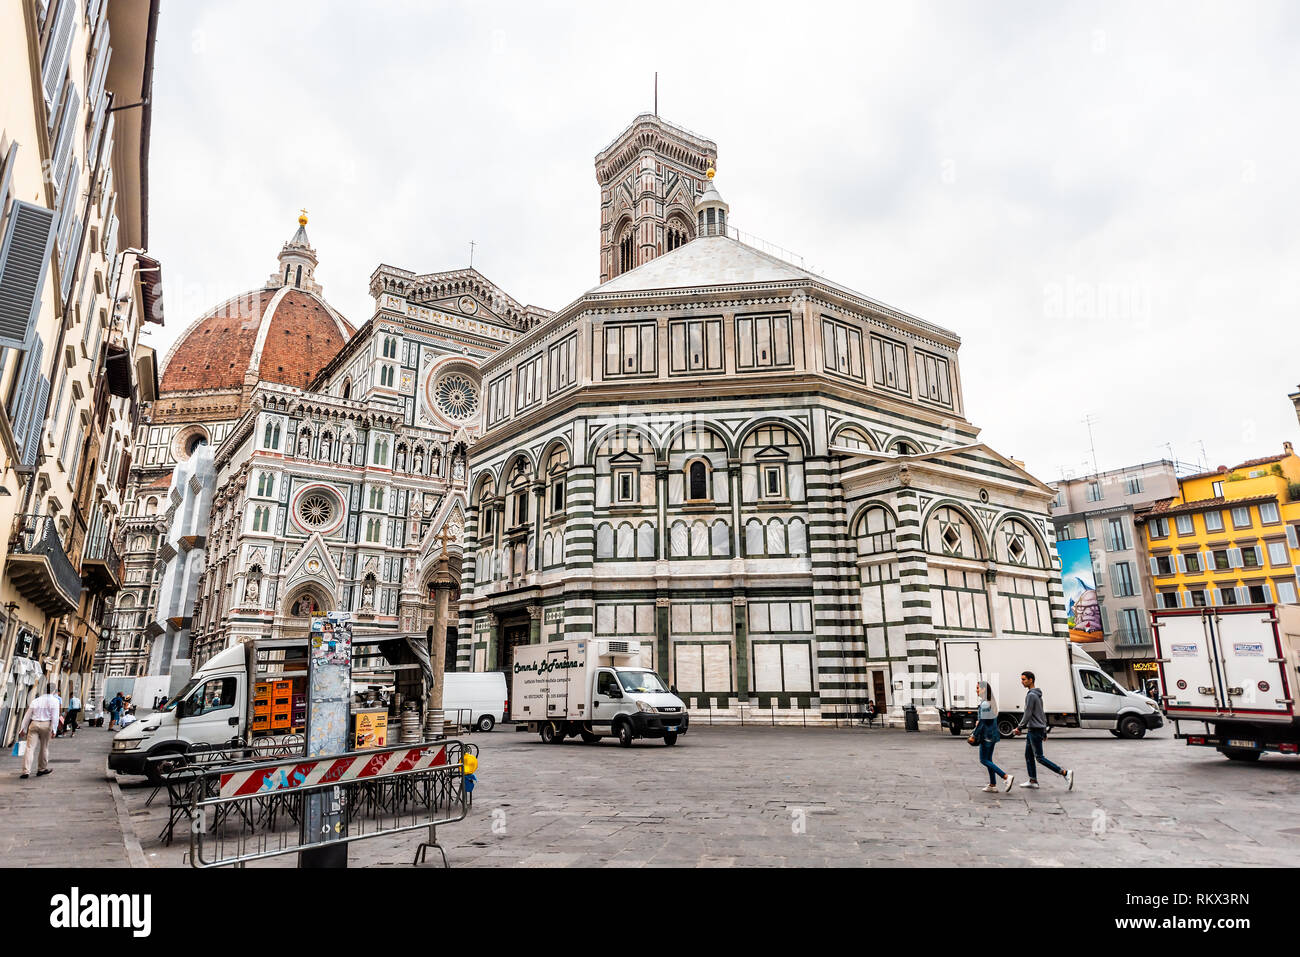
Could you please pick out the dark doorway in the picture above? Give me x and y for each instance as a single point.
(449, 659)
(511, 637)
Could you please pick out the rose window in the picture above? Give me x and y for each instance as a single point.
(316, 511)
(456, 397)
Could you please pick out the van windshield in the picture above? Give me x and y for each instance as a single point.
(184, 692)
(640, 681)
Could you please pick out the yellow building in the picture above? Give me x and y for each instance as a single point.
(1230, 537)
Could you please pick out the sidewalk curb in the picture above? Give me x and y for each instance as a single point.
(134, 852)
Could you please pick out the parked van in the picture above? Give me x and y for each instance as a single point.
(477, 698)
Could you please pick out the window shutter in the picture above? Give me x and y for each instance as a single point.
(24, 257)
(1215, 598)
(1114, 578)
(1180, 564)
(1292, 539)
(1207, 561)
(1155, 568)
(33, 443)
(21, 413)
(1234, 557)
(6, 174)
(58, 50)
(67, 128)
(1268, 593)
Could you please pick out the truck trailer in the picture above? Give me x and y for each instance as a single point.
(593, 688)
(1232, 670)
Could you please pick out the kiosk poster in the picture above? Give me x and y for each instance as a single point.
(1082, 609)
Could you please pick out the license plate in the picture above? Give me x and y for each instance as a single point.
(1238, 743)
(671, 727)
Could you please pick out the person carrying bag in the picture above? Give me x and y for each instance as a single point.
(986, 736)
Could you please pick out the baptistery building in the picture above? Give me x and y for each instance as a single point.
(766, 477)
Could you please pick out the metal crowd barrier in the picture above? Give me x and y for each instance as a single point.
(252, 811)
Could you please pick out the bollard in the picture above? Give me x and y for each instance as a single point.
(911, 720)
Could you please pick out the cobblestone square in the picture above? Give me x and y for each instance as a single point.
(845, 797)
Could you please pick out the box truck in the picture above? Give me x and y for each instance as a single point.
(1232, 670)
(592, 689)
(249, 691)
(1076, 692)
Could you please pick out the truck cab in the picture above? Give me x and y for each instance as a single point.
(211, 709)
(1104, 704)
(636, 704)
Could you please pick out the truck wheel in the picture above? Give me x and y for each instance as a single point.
(1113, 731)
(588, 737)
(954, 728)
(1239, 754)
(548, 733)
(670, 738)
(1132, 728)
(486, 722)
(625, 733)
(154, 770)
(1006, 727)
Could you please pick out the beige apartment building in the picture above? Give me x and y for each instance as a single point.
(76, 292)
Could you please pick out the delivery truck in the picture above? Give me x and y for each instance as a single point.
(592, 689)
(1228, 676)
(1076, 692)
(253, 690)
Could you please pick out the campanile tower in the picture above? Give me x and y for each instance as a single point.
(650, 178)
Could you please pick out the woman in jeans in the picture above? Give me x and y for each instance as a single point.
(986, 733)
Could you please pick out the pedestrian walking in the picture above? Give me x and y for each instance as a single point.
(38, 724)
(74, 711)
(1034, 724)
(114, 709)
(986, 735)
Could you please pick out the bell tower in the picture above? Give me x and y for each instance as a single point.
(650, 178)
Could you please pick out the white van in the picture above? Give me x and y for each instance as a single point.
(476, 698)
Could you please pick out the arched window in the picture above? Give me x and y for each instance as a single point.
(854, 438)
(627, 250)
(297, 279)
(287, 267)
(347, 388)
(948, 532)
(698, 481)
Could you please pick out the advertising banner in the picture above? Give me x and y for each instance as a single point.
(1082, 609)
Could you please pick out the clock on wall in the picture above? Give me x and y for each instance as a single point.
(468, 305)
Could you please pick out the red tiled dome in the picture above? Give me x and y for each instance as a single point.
(302, 334)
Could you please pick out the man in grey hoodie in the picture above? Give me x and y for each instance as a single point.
(1035, 723)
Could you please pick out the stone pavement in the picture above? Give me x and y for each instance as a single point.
(70, 817)
(846, 797)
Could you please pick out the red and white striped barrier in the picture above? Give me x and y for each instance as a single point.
(348, 767)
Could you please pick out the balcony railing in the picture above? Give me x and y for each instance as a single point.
(39, 567)
(1132, 638)
(101, 566)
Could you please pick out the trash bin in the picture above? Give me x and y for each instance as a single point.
(911, 721)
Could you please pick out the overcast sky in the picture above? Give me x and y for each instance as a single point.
(1101, 200)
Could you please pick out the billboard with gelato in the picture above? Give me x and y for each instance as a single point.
(1082, 609)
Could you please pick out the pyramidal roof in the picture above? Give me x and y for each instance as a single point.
(723, 261)
(706, 261)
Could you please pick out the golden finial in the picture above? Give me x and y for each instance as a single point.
(710, 172)
(302, 217)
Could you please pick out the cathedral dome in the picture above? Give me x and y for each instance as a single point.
(284, 335)
(284, 332)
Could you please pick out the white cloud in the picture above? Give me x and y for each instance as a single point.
(1099, 200)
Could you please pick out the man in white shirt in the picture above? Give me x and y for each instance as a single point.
(41, 719)
(74, 710)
